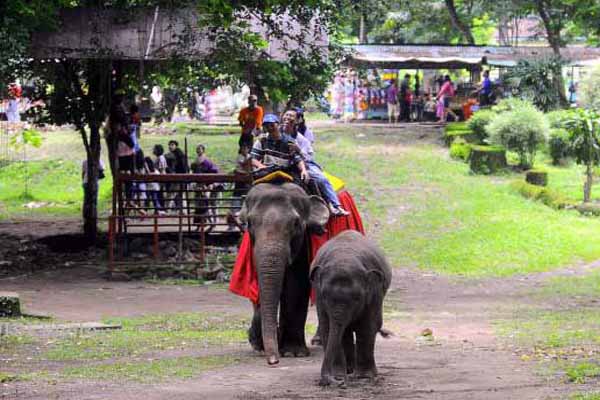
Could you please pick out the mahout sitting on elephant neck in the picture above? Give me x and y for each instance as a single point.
(278, 218)
(351, 277)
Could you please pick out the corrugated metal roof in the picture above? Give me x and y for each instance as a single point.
(461, 55)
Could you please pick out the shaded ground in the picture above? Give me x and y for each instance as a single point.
(463, 361)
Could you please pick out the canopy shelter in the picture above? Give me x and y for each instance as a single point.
(433, 56)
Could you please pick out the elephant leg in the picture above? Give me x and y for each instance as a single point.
(323, 329)
(349, 350)
(365, 347)
(255, 331)
(293, 312)
(333, 369)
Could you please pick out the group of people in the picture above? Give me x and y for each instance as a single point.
(123, 130)
(285, 145)
(403, 105)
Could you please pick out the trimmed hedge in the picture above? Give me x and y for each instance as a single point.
(537, 177)
(487, 159)
(460, 149)
(466, 135)
(545, 195)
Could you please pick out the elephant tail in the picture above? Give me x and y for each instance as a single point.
(385, 333)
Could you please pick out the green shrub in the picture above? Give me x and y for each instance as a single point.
(511, 104)
(522, 131)
(558, 145)
(589, 89)
(487, 159)
(460, 149)
(542, 194)
(479, 121)
(556, 119)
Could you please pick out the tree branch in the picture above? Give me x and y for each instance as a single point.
(457, 23)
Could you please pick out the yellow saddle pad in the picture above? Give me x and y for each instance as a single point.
(277, 176)
(336, 182)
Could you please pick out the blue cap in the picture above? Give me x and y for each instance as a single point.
(270, 119)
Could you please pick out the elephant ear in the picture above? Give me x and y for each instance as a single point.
(376, 285)
(319, 214)
(244, 213)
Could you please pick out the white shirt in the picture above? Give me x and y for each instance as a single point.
(84, 166)
(305, 147)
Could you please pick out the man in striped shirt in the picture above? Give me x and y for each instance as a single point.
(273, 151)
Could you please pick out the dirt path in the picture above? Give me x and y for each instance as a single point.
(464, 361)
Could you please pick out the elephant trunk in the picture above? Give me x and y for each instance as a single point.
(271, 267)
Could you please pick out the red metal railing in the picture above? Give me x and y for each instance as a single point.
(190, 205)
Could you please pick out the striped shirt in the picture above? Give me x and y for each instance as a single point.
(275, 152)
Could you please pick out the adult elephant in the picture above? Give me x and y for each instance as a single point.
(278, 218)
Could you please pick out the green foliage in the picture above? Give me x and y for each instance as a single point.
(521, 130)
(558, 145)
(584, 129)
(589, 90)
(511, 104)
(580, 372)
(479, 121)
(545, 195)
(149, 371)
(29, 137)
(534, 80)
(586, 396)
(460, 149)
(148, 334)
(556, 119)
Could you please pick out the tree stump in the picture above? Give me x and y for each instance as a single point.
(487, 159)
(10, 306)
(590, 209)
(537, 177)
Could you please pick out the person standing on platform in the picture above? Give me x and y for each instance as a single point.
(250, 119)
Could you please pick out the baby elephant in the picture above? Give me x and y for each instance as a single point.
(351, 276)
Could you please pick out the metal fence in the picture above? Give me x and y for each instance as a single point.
(186, 206)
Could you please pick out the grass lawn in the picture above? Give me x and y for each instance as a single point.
(146, 349)
(425, 209)
(562, 333)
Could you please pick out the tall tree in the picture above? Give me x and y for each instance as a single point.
(79, 91)
(458, 23)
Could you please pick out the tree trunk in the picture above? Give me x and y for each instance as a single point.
(90, 189)
(587, 187)
(457, 23)
(362, 32)
(554, 40)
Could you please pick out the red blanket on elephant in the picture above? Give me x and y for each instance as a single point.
(244, 281)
